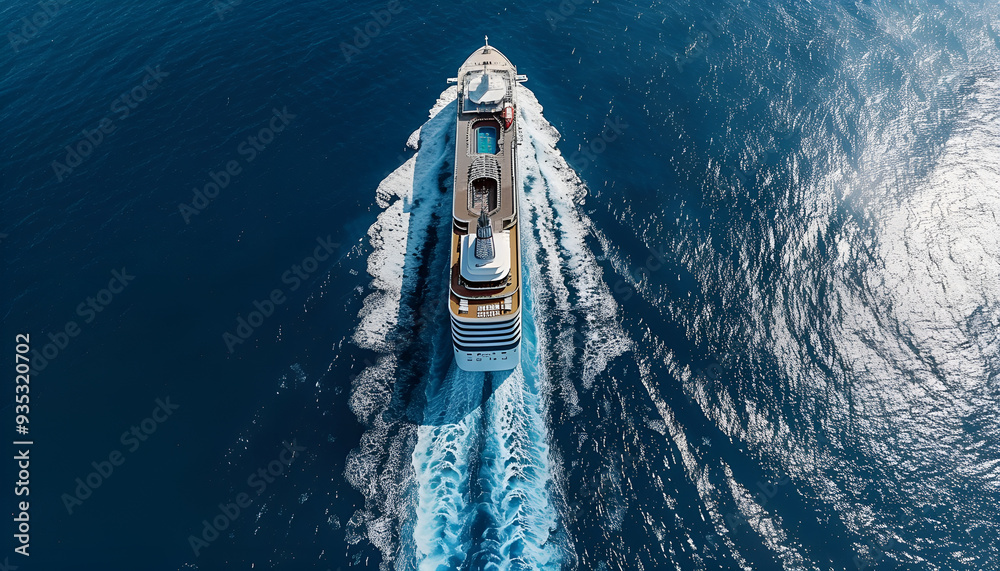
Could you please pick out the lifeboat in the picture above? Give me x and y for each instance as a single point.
(508, 116)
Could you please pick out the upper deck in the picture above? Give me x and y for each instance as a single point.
(484, 150)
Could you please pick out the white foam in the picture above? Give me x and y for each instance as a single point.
(441, 462)
(553, 195)
(443, 100)
(516, 461)
(380, 468)
(385, 264)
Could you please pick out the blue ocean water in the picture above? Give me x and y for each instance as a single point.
(764, 286)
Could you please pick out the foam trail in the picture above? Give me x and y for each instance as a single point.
(517, 527)
(516, 475)
(569, 307)
(474, 485)
(442, 459)
(409, 203)
(558, 254)
(381, 467)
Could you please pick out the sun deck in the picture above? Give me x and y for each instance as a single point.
(484, 150)
(476, 298)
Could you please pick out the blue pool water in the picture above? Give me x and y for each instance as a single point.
(763, 299)
(486, 140)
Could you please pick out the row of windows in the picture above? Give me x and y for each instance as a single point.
(493, 337)
(481, 342)
(487, 348)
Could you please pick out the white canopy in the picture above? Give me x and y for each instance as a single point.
(486, 88)
(476, 270)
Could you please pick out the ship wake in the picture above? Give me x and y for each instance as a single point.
(458, 468)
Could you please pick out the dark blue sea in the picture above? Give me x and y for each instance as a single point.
(761, 312)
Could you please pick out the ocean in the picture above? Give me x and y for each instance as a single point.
(761, 309)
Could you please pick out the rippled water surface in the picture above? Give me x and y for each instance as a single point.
(761, 311)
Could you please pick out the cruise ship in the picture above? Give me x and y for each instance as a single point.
(485, 293)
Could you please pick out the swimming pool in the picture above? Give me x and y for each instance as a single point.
(486, 140)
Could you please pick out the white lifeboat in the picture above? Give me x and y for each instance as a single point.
(508, 115)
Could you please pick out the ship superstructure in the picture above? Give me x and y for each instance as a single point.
(485, 293)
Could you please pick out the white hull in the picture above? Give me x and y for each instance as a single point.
(488, 361)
